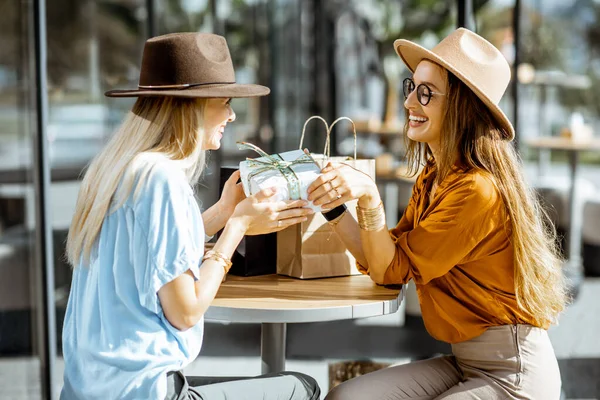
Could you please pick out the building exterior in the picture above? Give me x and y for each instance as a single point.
(319, 58)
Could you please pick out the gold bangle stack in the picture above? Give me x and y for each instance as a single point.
(219, 257)
(371, 219)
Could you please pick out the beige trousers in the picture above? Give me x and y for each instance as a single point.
(505, 362)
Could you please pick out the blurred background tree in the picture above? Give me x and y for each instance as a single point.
(589, 98)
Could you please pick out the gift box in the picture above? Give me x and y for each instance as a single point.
(290, 172)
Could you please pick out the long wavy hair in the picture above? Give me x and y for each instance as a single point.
(156, 129)
(472, 137)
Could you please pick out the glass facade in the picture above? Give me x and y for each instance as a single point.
(332, 59)
(494, 21)
(560, 68)
(92, 47)
(19, 278)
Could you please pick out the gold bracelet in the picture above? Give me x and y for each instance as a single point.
(371, 219)
(374, 210)
(220, 261)
(371, 224)
(336, 221)
(213, 254)
(220, 257)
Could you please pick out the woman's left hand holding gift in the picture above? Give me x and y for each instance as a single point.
(216, 216)
(232, 195)
(339, 183)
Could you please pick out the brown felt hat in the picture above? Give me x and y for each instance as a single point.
(188, 65)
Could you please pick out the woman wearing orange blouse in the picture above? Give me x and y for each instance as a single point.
(473, 237)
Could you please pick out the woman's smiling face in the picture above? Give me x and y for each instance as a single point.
(217, 113)
(425, 121)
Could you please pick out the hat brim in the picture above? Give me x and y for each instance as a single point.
(232, 90)
(412, 54)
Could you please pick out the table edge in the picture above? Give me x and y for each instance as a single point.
(299, 315)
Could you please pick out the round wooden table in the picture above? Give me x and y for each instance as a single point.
(564, 143)
(275, 300)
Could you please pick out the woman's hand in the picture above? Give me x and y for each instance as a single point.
(232, 195)
(340, 183)
(263, 213)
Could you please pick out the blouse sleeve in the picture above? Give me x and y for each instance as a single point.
(164, 242)
(459, 222)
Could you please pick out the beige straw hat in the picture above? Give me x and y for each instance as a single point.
(474, 60)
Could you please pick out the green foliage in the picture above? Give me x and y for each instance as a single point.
(541, 41)
(177, 19)
(544, 46)
(416, 17)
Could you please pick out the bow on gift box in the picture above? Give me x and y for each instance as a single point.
(276, 163)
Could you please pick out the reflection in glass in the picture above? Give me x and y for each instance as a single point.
(93, 46)
(495, 23)
(369, 73)
(19, 362)
(560, 55)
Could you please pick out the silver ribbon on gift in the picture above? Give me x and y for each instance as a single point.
(274, 162)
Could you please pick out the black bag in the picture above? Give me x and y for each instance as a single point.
(256, 255)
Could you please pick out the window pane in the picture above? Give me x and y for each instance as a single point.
(19, 361)
(93, 46)
(369, 73)
(245, 27)
(495, 23)
(561, 60)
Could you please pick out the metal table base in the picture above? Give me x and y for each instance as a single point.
(272, 347)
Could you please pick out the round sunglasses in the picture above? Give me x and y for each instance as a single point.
(424, 92)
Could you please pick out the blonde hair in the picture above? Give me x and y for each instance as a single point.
(472, 137)
(156, 129)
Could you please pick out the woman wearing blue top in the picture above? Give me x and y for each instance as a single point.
(141, 280)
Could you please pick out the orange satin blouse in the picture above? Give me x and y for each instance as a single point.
(458, 253)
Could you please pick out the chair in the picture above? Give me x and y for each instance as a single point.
(591, 236)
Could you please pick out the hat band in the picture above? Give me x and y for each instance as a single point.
(181, 86)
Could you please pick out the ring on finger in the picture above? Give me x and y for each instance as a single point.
(337, 194)
(279, 224)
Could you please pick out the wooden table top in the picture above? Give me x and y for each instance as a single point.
(564, 143)
(277, 298)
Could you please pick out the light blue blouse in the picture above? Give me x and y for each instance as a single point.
(117, 343)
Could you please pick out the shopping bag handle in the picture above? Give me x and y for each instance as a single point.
(327, 149)
(328, 143)
(304, 131)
